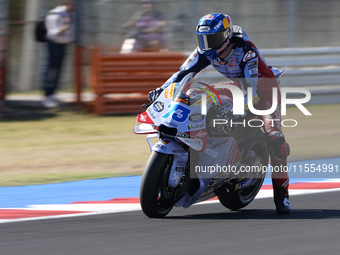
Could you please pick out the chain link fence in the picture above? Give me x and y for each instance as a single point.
(270, 24)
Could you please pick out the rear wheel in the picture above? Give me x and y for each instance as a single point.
(156, 197)
(238, 199)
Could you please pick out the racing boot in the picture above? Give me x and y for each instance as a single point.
(281, 196)
(279, 151)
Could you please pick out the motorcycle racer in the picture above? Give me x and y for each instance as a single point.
(230, 51)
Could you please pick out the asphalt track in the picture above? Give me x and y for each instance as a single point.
(311, 228)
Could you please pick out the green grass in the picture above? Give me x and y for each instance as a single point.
(56, 146)
(69, 146)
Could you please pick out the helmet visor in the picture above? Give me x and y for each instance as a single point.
(207, 42)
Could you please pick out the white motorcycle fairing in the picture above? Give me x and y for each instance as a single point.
(177, 115)
(210, 169)
(180, 158)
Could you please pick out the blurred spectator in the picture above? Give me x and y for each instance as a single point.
(144, 31)
(60, 32)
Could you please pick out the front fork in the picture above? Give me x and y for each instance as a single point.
(180, 157)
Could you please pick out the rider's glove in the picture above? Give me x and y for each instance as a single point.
(226, 113)
(221, 115)
(154, 94)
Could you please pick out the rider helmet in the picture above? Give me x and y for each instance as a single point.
(213, 33)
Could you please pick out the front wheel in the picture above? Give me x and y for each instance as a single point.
(156, 197)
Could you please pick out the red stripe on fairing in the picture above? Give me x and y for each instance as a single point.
(6, 214)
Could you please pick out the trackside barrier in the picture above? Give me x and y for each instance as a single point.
(121, 82)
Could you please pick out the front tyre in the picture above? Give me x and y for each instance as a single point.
(156, 197)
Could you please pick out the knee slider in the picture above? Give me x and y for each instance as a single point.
(285, 149)
(280, 148)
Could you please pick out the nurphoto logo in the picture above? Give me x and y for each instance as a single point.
(238, 105)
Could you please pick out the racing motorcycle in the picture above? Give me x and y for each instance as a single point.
(194, 159)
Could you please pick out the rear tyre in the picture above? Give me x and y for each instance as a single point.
(156, 197)
(238, 199)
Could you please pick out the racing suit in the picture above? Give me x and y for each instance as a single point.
(246, 67)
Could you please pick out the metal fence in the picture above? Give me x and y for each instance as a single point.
(270, 24)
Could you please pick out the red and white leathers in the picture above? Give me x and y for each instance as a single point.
(246, 67)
